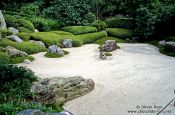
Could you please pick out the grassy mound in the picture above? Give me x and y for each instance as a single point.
(4, 33)
(24, 36)
(108, 54)
(119, 33)
(27, 47)
(102, 40)
(49, 38)
(120, 23)
(25, 30)
(91, 37)
(62, 33)
(17, 60)
(77, 30)
(4, 58)
(55, 55)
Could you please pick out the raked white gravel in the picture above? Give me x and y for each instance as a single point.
(135, 77)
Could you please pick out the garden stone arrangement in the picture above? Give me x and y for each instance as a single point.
(91, 57)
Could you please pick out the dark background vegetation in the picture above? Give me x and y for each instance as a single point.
(153, 18)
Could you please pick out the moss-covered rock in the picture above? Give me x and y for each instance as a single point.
(102, 40)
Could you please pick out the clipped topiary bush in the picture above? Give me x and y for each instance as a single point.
(11, 21)
(61, 32)
(102, 40)
(77, 30)
(4, 58)
(26, 24)
(28, 47)
(99, 24)
(24, 36)
(4, 33)
(119, 33)
(91, 37)
(15, 81)
(22, 29)
(76, 43)
(120, 23)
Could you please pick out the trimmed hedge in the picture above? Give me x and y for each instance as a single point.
(77, 30)
(171, 38)
(22, 29)
(62, 33)
(4, 58)
(102, 40)
(99, 24)
(26, 24)
(120, 33)
(49, 38)
(11, 21)
(24, 36)
(28, 47)
(120, 23)
(4, 33)
(91, 37)
(42, 24)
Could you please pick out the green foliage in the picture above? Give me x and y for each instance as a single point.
(16, 60)
(77, 30)
(76, 43)
(22, 29)
(55, 55)
(102, 40)
(145, 22)
(31, 8)
(108, 54)
(13, 107)
(26, 23)
(119, 33)
(89, 18)
(11, 21)
(41, 23)
(99, 24)
(49, 38)
(4, 33)
(28, 47)
(91, 37)
(4, 58)
(24, 36)
(71, 12)
(16, 81)
(126, 23)
(171, 38)
(61, 32)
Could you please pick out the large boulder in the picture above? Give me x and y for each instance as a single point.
(15, 38)
(2, 21)
(13, 30)
(109, 46)
(55, 49)
(12, 52)
(67, 43)
(39, 43)
(59, 90)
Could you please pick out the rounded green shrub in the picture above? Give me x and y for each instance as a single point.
(22, 29)
(15, 81)
(4, 58)
(99, 24)
(55, 55)
(90, 17)
(77, 30)
(4, 33)
(24, 36)
(119, 33)
(11, 21)
(26, 24)
(120, 23)
(76, 43)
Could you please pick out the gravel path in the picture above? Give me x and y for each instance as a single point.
(136, 77)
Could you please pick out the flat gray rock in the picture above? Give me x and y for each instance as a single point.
(15, 38)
